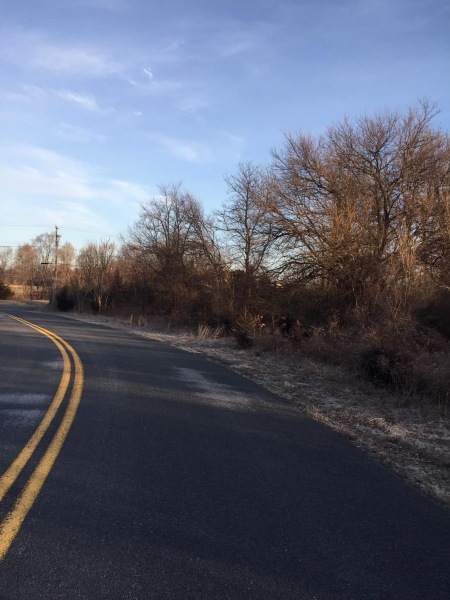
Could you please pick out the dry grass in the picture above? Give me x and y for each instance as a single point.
(205, 332)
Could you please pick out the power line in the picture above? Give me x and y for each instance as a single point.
(47, 226)
(23, 225)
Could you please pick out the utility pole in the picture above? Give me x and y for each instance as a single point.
(55, 272)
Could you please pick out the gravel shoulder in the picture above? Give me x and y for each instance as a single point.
(409, 436)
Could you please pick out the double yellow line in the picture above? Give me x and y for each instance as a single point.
(11, 524)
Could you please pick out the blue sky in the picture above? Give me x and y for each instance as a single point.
(101, 101)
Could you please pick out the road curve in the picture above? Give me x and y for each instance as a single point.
(180, 479)
(12, 522)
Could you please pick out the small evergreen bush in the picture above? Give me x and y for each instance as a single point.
(65, 301)
(6, 292)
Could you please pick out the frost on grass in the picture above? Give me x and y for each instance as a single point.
(413, 438)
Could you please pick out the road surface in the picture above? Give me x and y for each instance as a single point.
(179, 479)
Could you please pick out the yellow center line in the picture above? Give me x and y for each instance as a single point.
(14, 470)
(11, 524)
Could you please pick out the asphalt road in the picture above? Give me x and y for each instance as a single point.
(180, 479)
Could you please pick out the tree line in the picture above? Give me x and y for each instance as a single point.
(347, 226)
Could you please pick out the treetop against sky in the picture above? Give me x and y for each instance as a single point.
(102, 101)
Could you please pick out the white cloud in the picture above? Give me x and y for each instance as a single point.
(25, 180)
(186, 151)
(148, 73)
(38, 172)
(75, 59)
(31, 93)
(29, 50)
(152, 86)
(42, 159)
(77, 208)
(26, 95)
(86, 101)
(129, 190)
(222, 146)
(184, 96)
(42, 186)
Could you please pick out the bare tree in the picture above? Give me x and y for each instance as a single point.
(26, 267)
(163, 238)
(243, 218)
(93, 275)
(45, 250)
(212, 267)
(66, 263)
(6, 257)
(247, 231)
(347, 208)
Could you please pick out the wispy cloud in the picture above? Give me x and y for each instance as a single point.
(74, 133)
(183, 95)
(74, 59)
(25, 94)
(30, 94)
(192, 101)
(186, 151)
(42, 159)
(38, 172)
(129, 190)
(236, 44)
(147, 83)
(85, 101)
(149, 73)
(45, 187)
(114, 5)
(222, 146)
(30, 51)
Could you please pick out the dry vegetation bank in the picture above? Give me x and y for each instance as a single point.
(410, 435)
(330, 265)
